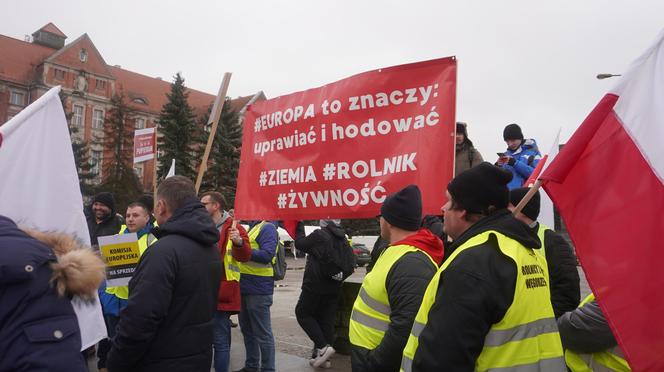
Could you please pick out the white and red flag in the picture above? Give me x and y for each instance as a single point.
(608, 184)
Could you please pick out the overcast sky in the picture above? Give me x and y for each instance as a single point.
(529, 62)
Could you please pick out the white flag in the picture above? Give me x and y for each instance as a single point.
(40, 187)
(171, 172)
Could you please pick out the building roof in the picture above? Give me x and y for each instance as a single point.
(69, 56)
(50, 27)
(19, 59)
(153, 91)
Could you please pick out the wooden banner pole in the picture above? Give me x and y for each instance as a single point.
(529, 195)
(214, 122)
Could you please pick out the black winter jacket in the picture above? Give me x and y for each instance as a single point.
(563, 274)
(109, 226)
(474, 293)
(318, 246)
(405, 283)
(167, 324)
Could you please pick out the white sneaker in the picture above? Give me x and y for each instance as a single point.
(323, 355)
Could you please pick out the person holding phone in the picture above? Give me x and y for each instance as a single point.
(521, 156)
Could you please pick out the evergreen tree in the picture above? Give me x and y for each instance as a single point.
(81, 152)
(224, 160)
(118, 171)
(177, 132)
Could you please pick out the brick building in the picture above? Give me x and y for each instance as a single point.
(30, 68)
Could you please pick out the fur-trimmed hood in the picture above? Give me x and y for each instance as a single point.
(78, 270)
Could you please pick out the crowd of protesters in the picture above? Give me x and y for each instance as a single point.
(475, 288)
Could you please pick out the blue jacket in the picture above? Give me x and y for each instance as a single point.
(267, 239)
(38, 328)
(525, 158)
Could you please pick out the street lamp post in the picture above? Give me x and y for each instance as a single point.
(606, 76)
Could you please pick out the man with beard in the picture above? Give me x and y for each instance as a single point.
(103, 221)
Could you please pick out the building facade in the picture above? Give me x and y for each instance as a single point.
(29, 68)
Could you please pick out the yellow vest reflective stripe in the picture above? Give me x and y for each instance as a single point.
(370, 318)
(252, 267)
(527, 338)
(231, 266)
(143, 243)
(610, 360)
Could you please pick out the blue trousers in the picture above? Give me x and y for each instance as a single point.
(222, 340)
(257, 332)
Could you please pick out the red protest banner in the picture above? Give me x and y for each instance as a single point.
(144, 144)
(337, 151)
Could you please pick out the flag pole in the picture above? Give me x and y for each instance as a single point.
(214, 121)
(529, 195)
(154, 168)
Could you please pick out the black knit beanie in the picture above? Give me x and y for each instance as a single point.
(532, 209)
(480, 187)
(511, 132)
(403, 209)
(105, 198)
(461, 128)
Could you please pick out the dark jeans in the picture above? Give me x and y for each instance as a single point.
(222, 340)
(316, 314)
(256, 329)
(105, 344)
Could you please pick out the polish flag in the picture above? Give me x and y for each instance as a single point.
(608, 184)
(547, 212)
(544, 162)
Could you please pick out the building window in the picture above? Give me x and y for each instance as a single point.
(77, 120)
(95, 162)
(83, 55)
(97, 119)
(17, 98)
(59, 74)
(140, 123)
(100, 84)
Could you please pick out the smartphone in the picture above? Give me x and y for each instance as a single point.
(501, 154)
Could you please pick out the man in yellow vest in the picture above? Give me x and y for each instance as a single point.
(588, 340)
(114, 299)
(391, 293)
(488, 307)
(257, 288)
(563, 273)
(234, 248)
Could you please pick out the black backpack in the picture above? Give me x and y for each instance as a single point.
(279, 265)
(338, 264)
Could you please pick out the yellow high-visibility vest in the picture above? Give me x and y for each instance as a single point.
(370, 318)
(541, 229)
(527, 337)
(605, 361)
(231, 265)
(252, 267)
(144, 242)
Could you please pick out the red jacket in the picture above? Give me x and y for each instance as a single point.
(228, 298)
